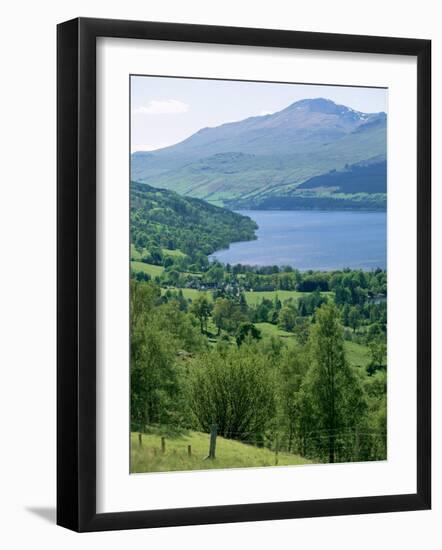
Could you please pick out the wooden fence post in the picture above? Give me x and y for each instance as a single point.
(140, 439)
(212, 446)
(163, 445)
(189, 450)
(356, 451)
(276, 451)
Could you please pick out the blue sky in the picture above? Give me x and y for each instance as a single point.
(164, 111)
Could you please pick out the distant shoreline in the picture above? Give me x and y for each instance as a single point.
(300, 209)
(317, 205)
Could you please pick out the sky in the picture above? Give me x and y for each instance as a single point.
(165, 110)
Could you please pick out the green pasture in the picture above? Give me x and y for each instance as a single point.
(229, 454)
(357, 355)
(152, 270)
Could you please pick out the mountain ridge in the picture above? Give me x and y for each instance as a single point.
(269, 155)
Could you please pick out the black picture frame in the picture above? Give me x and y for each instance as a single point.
(76, 274)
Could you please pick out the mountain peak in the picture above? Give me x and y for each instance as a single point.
(280, 149)
(319, 105)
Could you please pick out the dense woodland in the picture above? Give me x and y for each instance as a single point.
(262, 352)
(164, 219)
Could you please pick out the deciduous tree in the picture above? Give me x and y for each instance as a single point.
(332, 394)
(201, 309)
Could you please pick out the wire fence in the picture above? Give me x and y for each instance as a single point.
(315, 446)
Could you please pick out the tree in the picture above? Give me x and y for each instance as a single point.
(143, 297)
(227, 315)
(242, 302)
(302, 330)
(201, 309)
(235, 390)
(332, 394)
(183, 303)
(374, 331)
(277, 303)
(153, 377)
(376, 390)
(182, 328)
(247, 330)
(291, 371)
(354, 318)
(168, 262)
(156, 256)
(215, 274)
(378, 352)
(262, 311)
(345, 315)
(221, 313)
(302, 308)
(287, 318)
(171, 277)
(342, 295)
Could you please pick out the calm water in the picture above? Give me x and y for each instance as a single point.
(313, 240)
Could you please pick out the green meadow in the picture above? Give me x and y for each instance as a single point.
(229, 454)
(151, 270)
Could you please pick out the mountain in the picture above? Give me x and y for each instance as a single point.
(266, 156)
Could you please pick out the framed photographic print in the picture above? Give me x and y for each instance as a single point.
(243, 274)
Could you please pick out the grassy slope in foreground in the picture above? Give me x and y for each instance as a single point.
(229, 454)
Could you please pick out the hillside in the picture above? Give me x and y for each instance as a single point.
(268, 156)
(364, 177)
(162, 219)
(229, 454)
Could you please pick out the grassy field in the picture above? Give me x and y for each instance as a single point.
(136, 255)
(229, 454)
(173, 253)
(152, 270)
(189, 293)
(267, 329)
(357, 354)
(254, 298)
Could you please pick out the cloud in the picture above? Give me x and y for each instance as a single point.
(162, 107)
